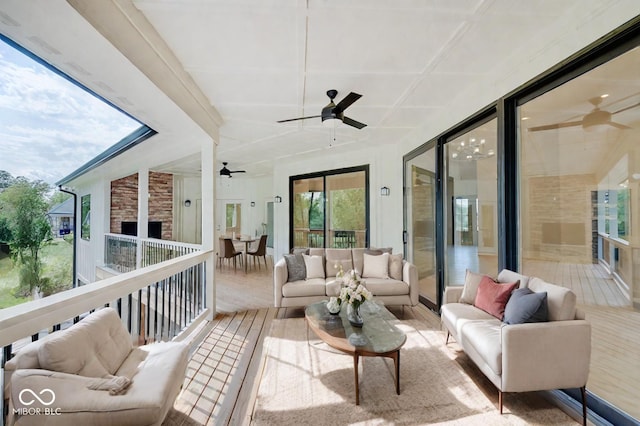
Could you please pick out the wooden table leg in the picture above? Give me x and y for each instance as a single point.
(355, 367)
(396, 360)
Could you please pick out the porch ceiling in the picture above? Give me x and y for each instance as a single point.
(420, 66)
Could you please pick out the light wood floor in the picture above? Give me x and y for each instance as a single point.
(219, 387)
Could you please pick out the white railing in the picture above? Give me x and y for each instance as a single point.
(158, 302)
(125, 253)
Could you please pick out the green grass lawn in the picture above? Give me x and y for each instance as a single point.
(57, 255)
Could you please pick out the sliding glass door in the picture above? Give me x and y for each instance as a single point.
(420, 221)
(330, 209)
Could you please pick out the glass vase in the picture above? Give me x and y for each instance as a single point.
(353, 314)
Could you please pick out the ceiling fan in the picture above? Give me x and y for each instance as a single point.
(226, 172)
(596, 117)
(333, 111)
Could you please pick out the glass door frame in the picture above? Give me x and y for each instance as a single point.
(324, 175)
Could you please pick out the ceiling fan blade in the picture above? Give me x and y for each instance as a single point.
(619, 126)
(354, 123)
(299, 118)
(346, 102)
(556, 126)
(626, 108)
(237, 171)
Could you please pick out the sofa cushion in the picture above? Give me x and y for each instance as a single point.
(314, 266)
(483, 338)
(309, 287)
(455, 315)
(94, 347)
(296, 269)
(492, 297)
(507, 276)
(386, 287)
(526, 306)
(337, 257)
(395, 266)
(561, 302)
(376, 266)
(471, 282)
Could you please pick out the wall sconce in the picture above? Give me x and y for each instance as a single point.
(384, 191)
(253, 204)
(187, 203)
(277, 199)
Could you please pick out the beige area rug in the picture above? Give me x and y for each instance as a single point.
(307, 382)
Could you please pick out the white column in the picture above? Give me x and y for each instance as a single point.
(208, 159)
(143, 212)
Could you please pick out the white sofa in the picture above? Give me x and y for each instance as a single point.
(401, 290)
(521, 357)
(97, 352)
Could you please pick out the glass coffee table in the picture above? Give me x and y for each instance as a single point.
(377, 337)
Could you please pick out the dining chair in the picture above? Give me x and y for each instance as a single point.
(261, 250)
(228, 252)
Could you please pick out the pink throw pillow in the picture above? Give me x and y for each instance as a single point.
(493, 297)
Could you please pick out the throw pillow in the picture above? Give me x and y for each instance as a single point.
(395, 267)
(300, 250)
(376, 266)
(493, 297)
(296, 269)
(314, 265)
(471, 283)
(526, 306)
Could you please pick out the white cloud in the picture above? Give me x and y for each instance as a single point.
(48, 126)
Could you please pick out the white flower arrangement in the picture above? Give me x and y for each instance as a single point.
(354, 292)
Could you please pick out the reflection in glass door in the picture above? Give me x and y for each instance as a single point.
(471, 194)
(420, 222)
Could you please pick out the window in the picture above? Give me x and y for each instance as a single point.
(578, 176)
(85, 217)
(330, 209)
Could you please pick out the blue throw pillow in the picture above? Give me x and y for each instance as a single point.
(296, 269)
(526, 306)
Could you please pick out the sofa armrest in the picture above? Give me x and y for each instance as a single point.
(544, 356)
(280, 276)
(410, 276)
(452, 294)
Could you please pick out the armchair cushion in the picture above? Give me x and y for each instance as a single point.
(95, 347)
(526, 306)
(561, 301)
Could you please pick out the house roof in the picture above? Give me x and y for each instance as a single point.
(64, 209)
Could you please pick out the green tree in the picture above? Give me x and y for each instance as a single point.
(6, 180)
(23, 209)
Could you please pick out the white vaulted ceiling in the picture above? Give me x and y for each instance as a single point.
(421, 65)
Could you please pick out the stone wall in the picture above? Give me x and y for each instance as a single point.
(124, 202)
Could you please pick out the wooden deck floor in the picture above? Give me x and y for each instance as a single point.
(219, 388)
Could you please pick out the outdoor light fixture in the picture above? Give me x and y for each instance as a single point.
(187, 203)
(277, 199)
(384, 191)
(253, 204)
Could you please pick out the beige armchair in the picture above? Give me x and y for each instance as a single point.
(90, 374)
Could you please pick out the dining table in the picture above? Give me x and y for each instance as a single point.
(246, 242)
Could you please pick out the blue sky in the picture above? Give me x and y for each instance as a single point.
(49, 126)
